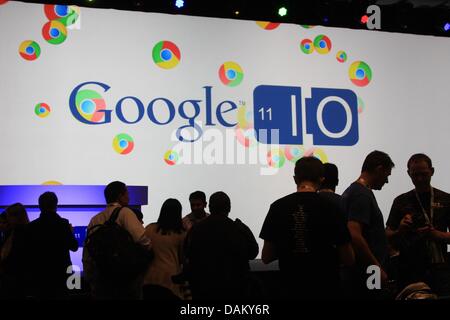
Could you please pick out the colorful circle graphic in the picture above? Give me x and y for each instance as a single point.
(67, 15)
(244, 118)
(42, 110)
(361, 105)
(51, 183)
(171, 157)
(267, 25)
(275, 158)
(360, 73)
(307, 46)
(322, 44)
(341, 56)
(166, 54)
(293, 153)
(318, 153)
(54, 32)
(246, 137)
(90, 104)
(123, 143)
(29, 50)
(231, 74)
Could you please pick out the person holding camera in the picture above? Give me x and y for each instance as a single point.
(418, 228)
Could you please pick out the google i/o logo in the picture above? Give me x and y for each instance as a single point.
(67, 15)
(166, 54)
(171, 157)
(123, 143)
(307, 46)
(360, 73)
(29, 50)
(231, 74)
(268, 25)
(54, 32)
(322, 44)
(42, 110)
(341, 56)
(89, 103)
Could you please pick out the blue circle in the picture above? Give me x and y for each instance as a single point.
(231, 74)
(88, 106)
(171, 157)
(360, 74)
(276, 158)
(41, 109)
(295, 152)
(61, 11)
(29, 50)
(54, 33)
(307, 46)
(166, 54)
(123, 144)
(322, 44)
(342, 56)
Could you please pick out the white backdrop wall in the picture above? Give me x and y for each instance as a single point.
(406, 104)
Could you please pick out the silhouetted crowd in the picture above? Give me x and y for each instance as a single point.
(328, 246)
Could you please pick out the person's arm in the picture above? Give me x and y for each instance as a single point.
(72, 242)
(269, 233)
(252, 245)
(131, 223)
(269, 253)
(398, 224)
(394, 235)
(346, 254)
(362, 250)
(438, 235)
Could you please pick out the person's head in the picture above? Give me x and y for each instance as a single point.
(378, 166)
(170, 216)
(48, 202)
(219, 203)
(308, 169)
(330, 175)
(420, 170)
(117, 191)
(197, 201)
(16, 214)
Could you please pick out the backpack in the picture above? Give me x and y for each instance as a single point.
(113, 252)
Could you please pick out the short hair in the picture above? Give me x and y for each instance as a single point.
(219, 203)
(308, 169)
(420, 157)
(48, 201)
(377, 158)
(17, 211)
(170, 217)
(114, 190)
(331, 176)
(198, 195)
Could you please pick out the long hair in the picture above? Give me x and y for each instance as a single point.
(169, 219)
(16, 214)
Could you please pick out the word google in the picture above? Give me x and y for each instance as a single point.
(89, 107)
(330, 115)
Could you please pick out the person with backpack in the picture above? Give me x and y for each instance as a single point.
(116, 251)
